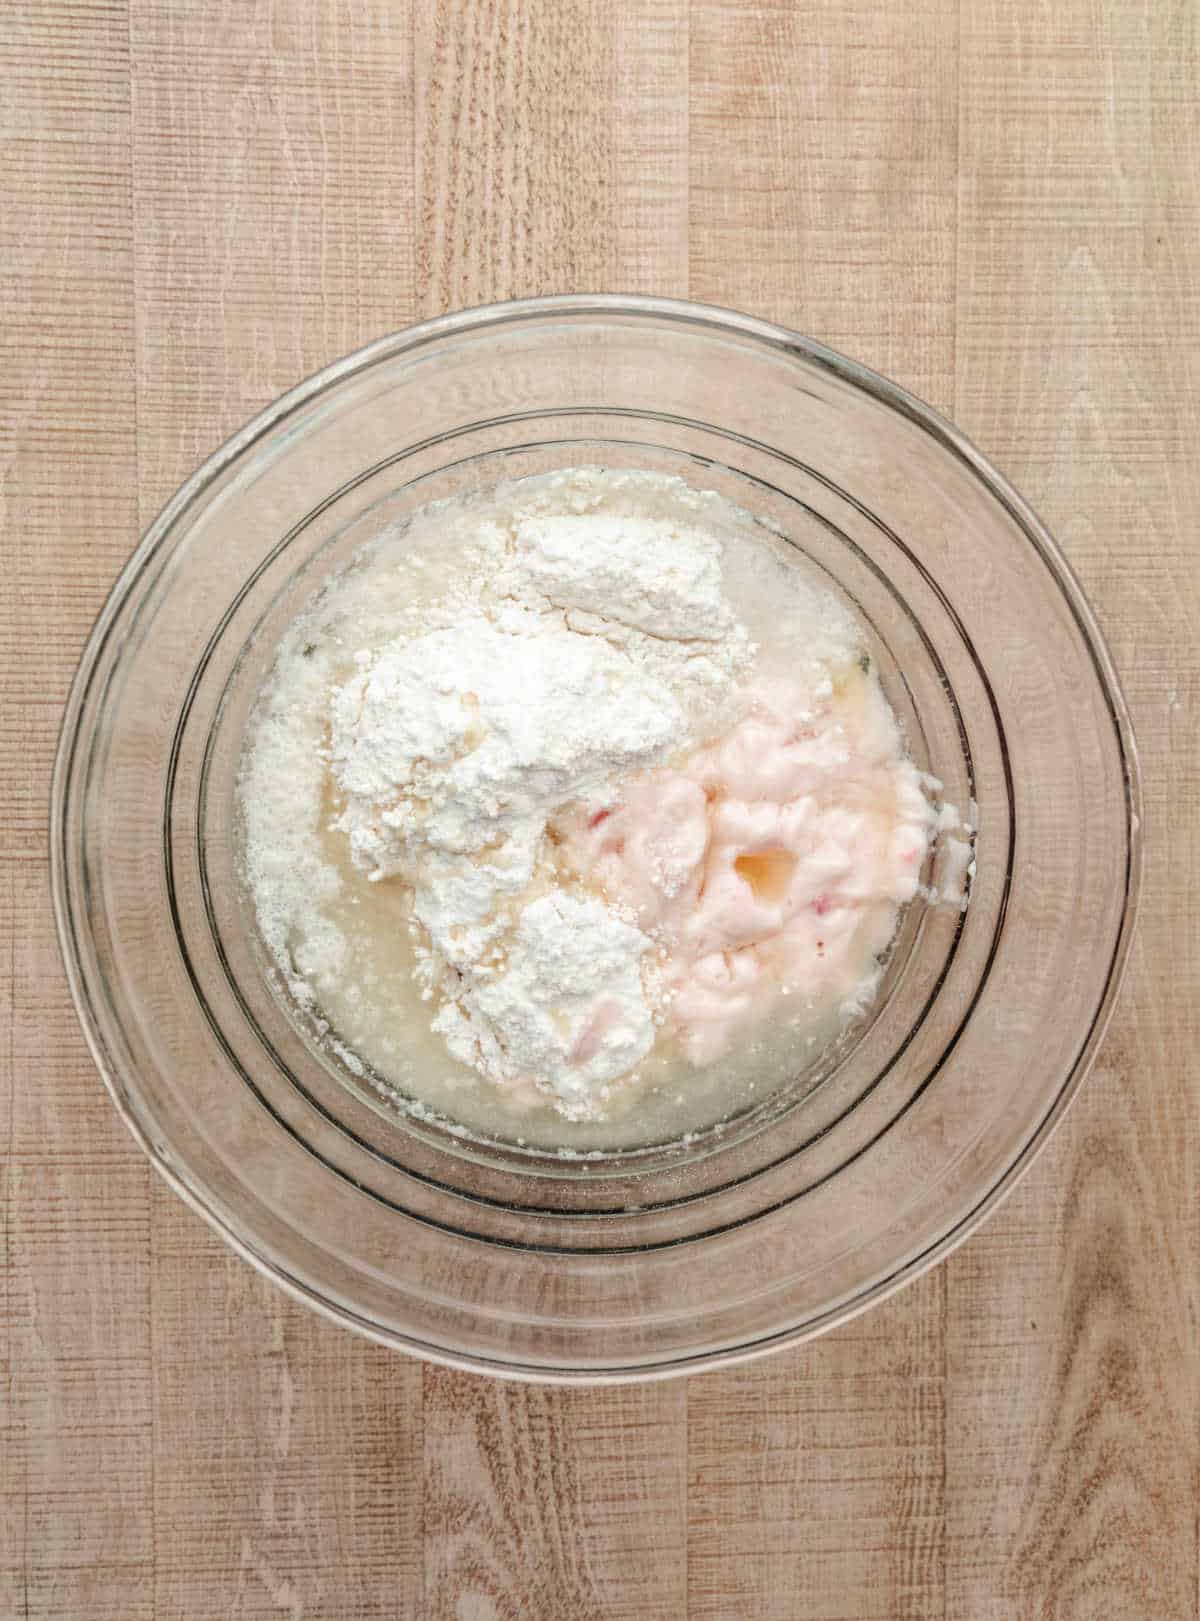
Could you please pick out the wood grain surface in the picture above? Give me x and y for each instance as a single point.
(997, 203)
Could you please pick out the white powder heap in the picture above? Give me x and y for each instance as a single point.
(570, 1006)
(585, 644)
(643, 574)
(459, 742)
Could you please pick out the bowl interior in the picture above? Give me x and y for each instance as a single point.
(300, 1048)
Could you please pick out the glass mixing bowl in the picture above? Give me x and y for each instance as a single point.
(852, 1177)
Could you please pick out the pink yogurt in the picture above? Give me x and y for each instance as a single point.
(769, 866)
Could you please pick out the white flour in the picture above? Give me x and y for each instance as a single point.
(580, 648)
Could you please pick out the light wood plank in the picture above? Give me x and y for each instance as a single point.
(544, 1503)
(76, 1533)
(551, 149)
(816, 1479)
(286, 1454)
(551, 157)
(824, 191)
(272, 184)
(77, 1422)
(66, 428)
(823, 174)
(652, 45)
(516, 150)
(272, 188)
(1072, 1354)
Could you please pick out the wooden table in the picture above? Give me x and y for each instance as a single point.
(996, 203)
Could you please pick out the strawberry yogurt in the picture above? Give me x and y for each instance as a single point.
(769, 864)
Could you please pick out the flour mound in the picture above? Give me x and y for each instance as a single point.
(571, 1003)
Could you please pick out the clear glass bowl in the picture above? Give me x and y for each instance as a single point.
(843, 1185)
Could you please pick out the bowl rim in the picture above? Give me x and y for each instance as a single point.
(480, 318)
